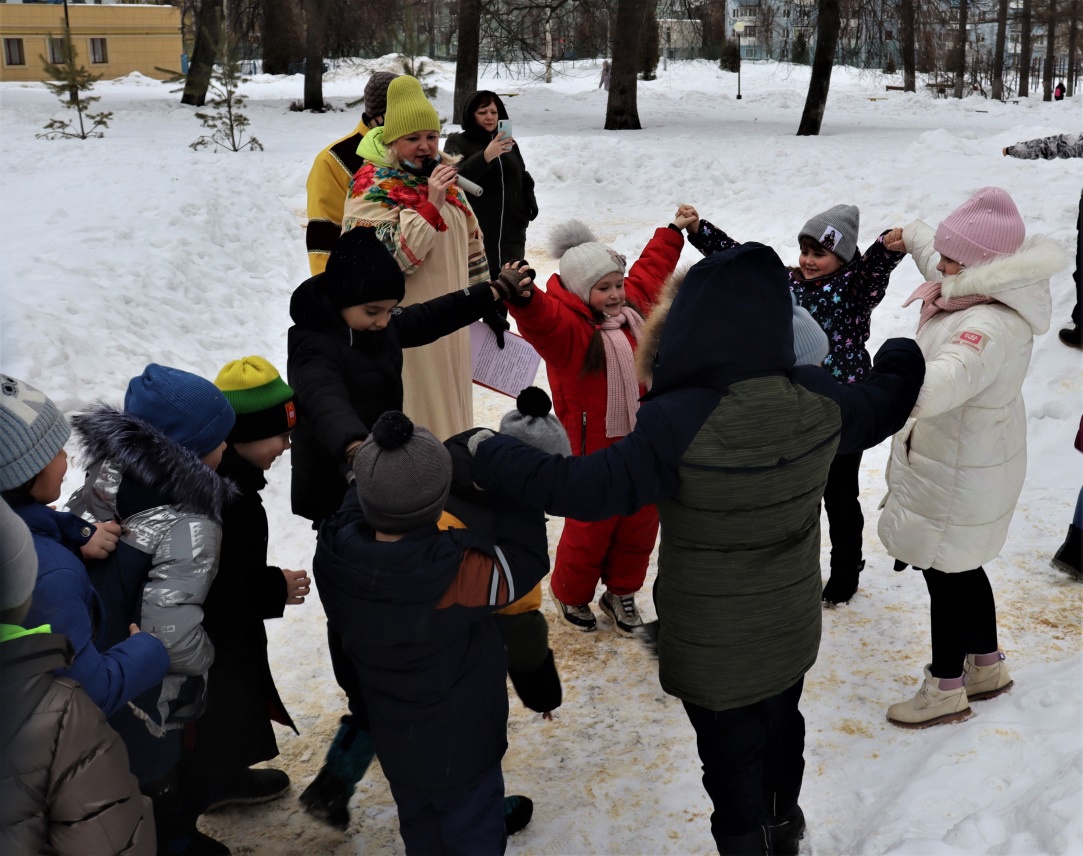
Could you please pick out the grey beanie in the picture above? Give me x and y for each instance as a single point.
(583, 260)
(32, 432)
(810, 345)
(533, 423)
(836, 230)
(18, 560)
(403, 475)
(376, 93)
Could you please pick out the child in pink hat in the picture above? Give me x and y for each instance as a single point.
(957, 467)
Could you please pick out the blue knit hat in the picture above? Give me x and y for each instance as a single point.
(190, 410)
(32, 432)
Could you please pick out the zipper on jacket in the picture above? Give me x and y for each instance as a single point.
(583, 446)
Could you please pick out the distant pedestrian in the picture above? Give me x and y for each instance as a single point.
(607, 70)
(1058, 91)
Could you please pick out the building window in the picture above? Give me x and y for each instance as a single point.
(98, 52)
(56, 51)
(13, 52)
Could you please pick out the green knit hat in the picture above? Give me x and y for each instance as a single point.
(408, 110)
(262, 400)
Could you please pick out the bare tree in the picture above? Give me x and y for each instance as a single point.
(998, 51)
(827, 39)
(1025, 51)
(279, 35)
(315, 34)
(959, 57)
(466, 55)
(1073, 44)
(208, 32)
(622, 109)
(1050, 50)
(908, 44)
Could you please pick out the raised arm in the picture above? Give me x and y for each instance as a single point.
(708, 238)
(869, 284)
(647, 277)
(918, 237)
(1059, 146)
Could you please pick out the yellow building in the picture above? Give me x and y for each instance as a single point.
(109, 40)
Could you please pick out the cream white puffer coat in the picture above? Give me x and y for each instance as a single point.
(957, 467)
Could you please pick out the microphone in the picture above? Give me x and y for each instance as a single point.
(469, 186)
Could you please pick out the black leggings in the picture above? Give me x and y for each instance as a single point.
(963, 618)
(844, 518)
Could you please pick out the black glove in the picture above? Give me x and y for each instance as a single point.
(497, 323)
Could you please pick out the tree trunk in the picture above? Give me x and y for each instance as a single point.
(1050, 51)
(998, 51)
(1073, 42)
(315, 27)
(827, 39)
(1025, 51)
(909, 45)
(466, 56)
(960, 50)
(208, 34)
(278, 36)
(622, 110)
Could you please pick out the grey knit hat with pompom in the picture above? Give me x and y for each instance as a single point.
(532, 422)
(403, 475)
(583, 260)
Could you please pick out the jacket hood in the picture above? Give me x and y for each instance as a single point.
(1019, 281)
(731, 319)
(467, 121)
(176, 475)
(372, 147)
(310, 308)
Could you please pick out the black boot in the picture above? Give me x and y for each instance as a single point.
(754, 843)
(175, 819)
(517, 813)
(1072, 336)
(328, 798)
(842, 584)
(787, 832)
(1068, 557)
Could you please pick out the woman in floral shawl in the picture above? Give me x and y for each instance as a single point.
(423, 219)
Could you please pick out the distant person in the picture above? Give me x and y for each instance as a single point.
(427, 650)
(406, 191)
(957, 467)
(586, 326)
(66, 784)
(840, 287)
(607, 71)
(734, 444)
(1058, 91)
(493, 160)
(331, 174)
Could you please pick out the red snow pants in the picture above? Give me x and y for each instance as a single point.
(614, 551)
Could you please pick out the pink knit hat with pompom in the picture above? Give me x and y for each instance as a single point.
(985, 227)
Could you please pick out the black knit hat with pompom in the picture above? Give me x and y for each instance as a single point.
(361, 270)
(403, 475)
(532, 423)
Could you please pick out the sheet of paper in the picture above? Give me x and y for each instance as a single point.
(510, 370)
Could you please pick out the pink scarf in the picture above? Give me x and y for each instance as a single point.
(933, 302)
(622, 392)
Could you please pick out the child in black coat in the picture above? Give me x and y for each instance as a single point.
(235, 730)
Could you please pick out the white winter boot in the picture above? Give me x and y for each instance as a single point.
(931, 706)
(982, 682)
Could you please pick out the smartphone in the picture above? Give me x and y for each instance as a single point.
(503, 126)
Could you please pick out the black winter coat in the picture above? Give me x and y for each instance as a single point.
(235, 730)
(344, 380)
(415, 616)
(508, 203)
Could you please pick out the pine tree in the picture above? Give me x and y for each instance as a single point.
(227, 122)
(71, 80)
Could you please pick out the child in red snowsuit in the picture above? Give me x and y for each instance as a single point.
(586, 326)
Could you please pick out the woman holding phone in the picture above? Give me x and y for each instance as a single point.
(492, 159)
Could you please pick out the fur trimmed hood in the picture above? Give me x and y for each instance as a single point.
(1020, 281)
(140, 451)
(650, 337)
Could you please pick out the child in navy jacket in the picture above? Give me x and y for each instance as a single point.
(414, 607)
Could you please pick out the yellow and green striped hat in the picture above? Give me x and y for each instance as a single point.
(262, 400)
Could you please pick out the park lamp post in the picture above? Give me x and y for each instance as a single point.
(739, 28)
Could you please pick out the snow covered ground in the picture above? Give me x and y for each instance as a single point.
(133, 248)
